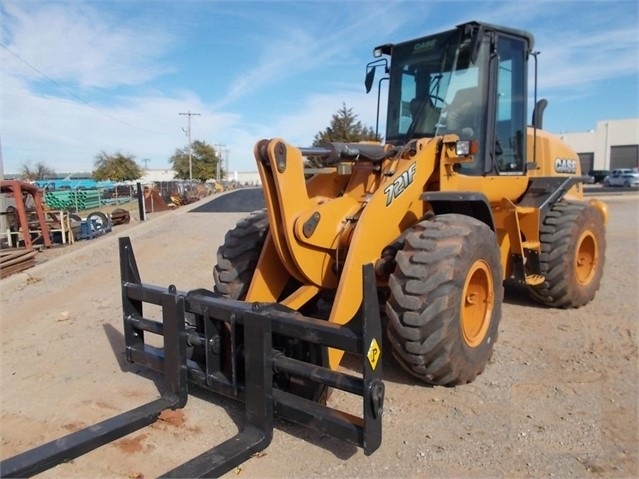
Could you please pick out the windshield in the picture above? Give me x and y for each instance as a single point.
(435, 88)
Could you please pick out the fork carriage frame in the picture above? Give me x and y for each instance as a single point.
(256, 323)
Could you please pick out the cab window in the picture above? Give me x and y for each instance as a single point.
(510, 130)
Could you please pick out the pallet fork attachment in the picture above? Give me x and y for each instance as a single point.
(256, 323)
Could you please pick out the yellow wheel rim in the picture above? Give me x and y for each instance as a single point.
(586, 258)
(478, 298)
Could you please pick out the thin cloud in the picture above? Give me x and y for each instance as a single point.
(65, 132)
(72, 42)
(291, 49)
(579, 60)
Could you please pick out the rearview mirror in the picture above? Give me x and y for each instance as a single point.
(370, 77)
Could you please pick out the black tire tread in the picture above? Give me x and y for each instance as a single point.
(559, 233)
(424, 306)
(238, 255)
(236, 263)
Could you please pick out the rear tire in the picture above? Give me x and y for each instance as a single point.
(572, 255)
(445, 300)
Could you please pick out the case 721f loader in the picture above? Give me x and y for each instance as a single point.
(461, 198)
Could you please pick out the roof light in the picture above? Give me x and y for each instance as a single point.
(385, 49)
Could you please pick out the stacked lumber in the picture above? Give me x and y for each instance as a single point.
(15, 260)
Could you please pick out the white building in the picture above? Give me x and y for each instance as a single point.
(612, 144)
(251, 178)
(152, 176)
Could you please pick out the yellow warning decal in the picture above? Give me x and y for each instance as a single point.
(374, 353)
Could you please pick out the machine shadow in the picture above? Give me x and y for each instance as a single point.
(233, 408)
(518, 295)
(116, 341)
(392, 371)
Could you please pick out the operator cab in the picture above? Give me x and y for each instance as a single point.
(470, 81)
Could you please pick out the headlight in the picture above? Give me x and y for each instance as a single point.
(466, 147)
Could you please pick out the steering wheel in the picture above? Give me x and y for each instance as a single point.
(419, 108)
(435, 99)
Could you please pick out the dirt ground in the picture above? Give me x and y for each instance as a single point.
(559, 398)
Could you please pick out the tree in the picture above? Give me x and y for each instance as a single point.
(39, 172)
(204, 162)
(118, 167)
(345, 128)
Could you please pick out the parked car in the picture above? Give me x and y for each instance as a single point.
(622, 177)
(599, 175)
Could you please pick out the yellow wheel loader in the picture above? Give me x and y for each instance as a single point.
(404, 246)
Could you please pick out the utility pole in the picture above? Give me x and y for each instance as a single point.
(219, 160)
(3, 219)
(228, 166)
(188, 134)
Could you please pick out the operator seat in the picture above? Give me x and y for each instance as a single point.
(464, 112)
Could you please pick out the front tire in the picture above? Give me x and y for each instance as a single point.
(237, 257)
(445, 299)
(572, 255)
(236, 263)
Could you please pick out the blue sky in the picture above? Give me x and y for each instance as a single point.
(79, 77)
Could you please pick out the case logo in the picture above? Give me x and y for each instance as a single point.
(565, 165)
(425, 44)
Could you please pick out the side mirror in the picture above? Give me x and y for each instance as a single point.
(370, 77)
(370, 72)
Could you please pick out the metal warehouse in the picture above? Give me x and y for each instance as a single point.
(612, 144)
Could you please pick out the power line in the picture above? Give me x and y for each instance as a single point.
(73, 95)
(188, 133)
